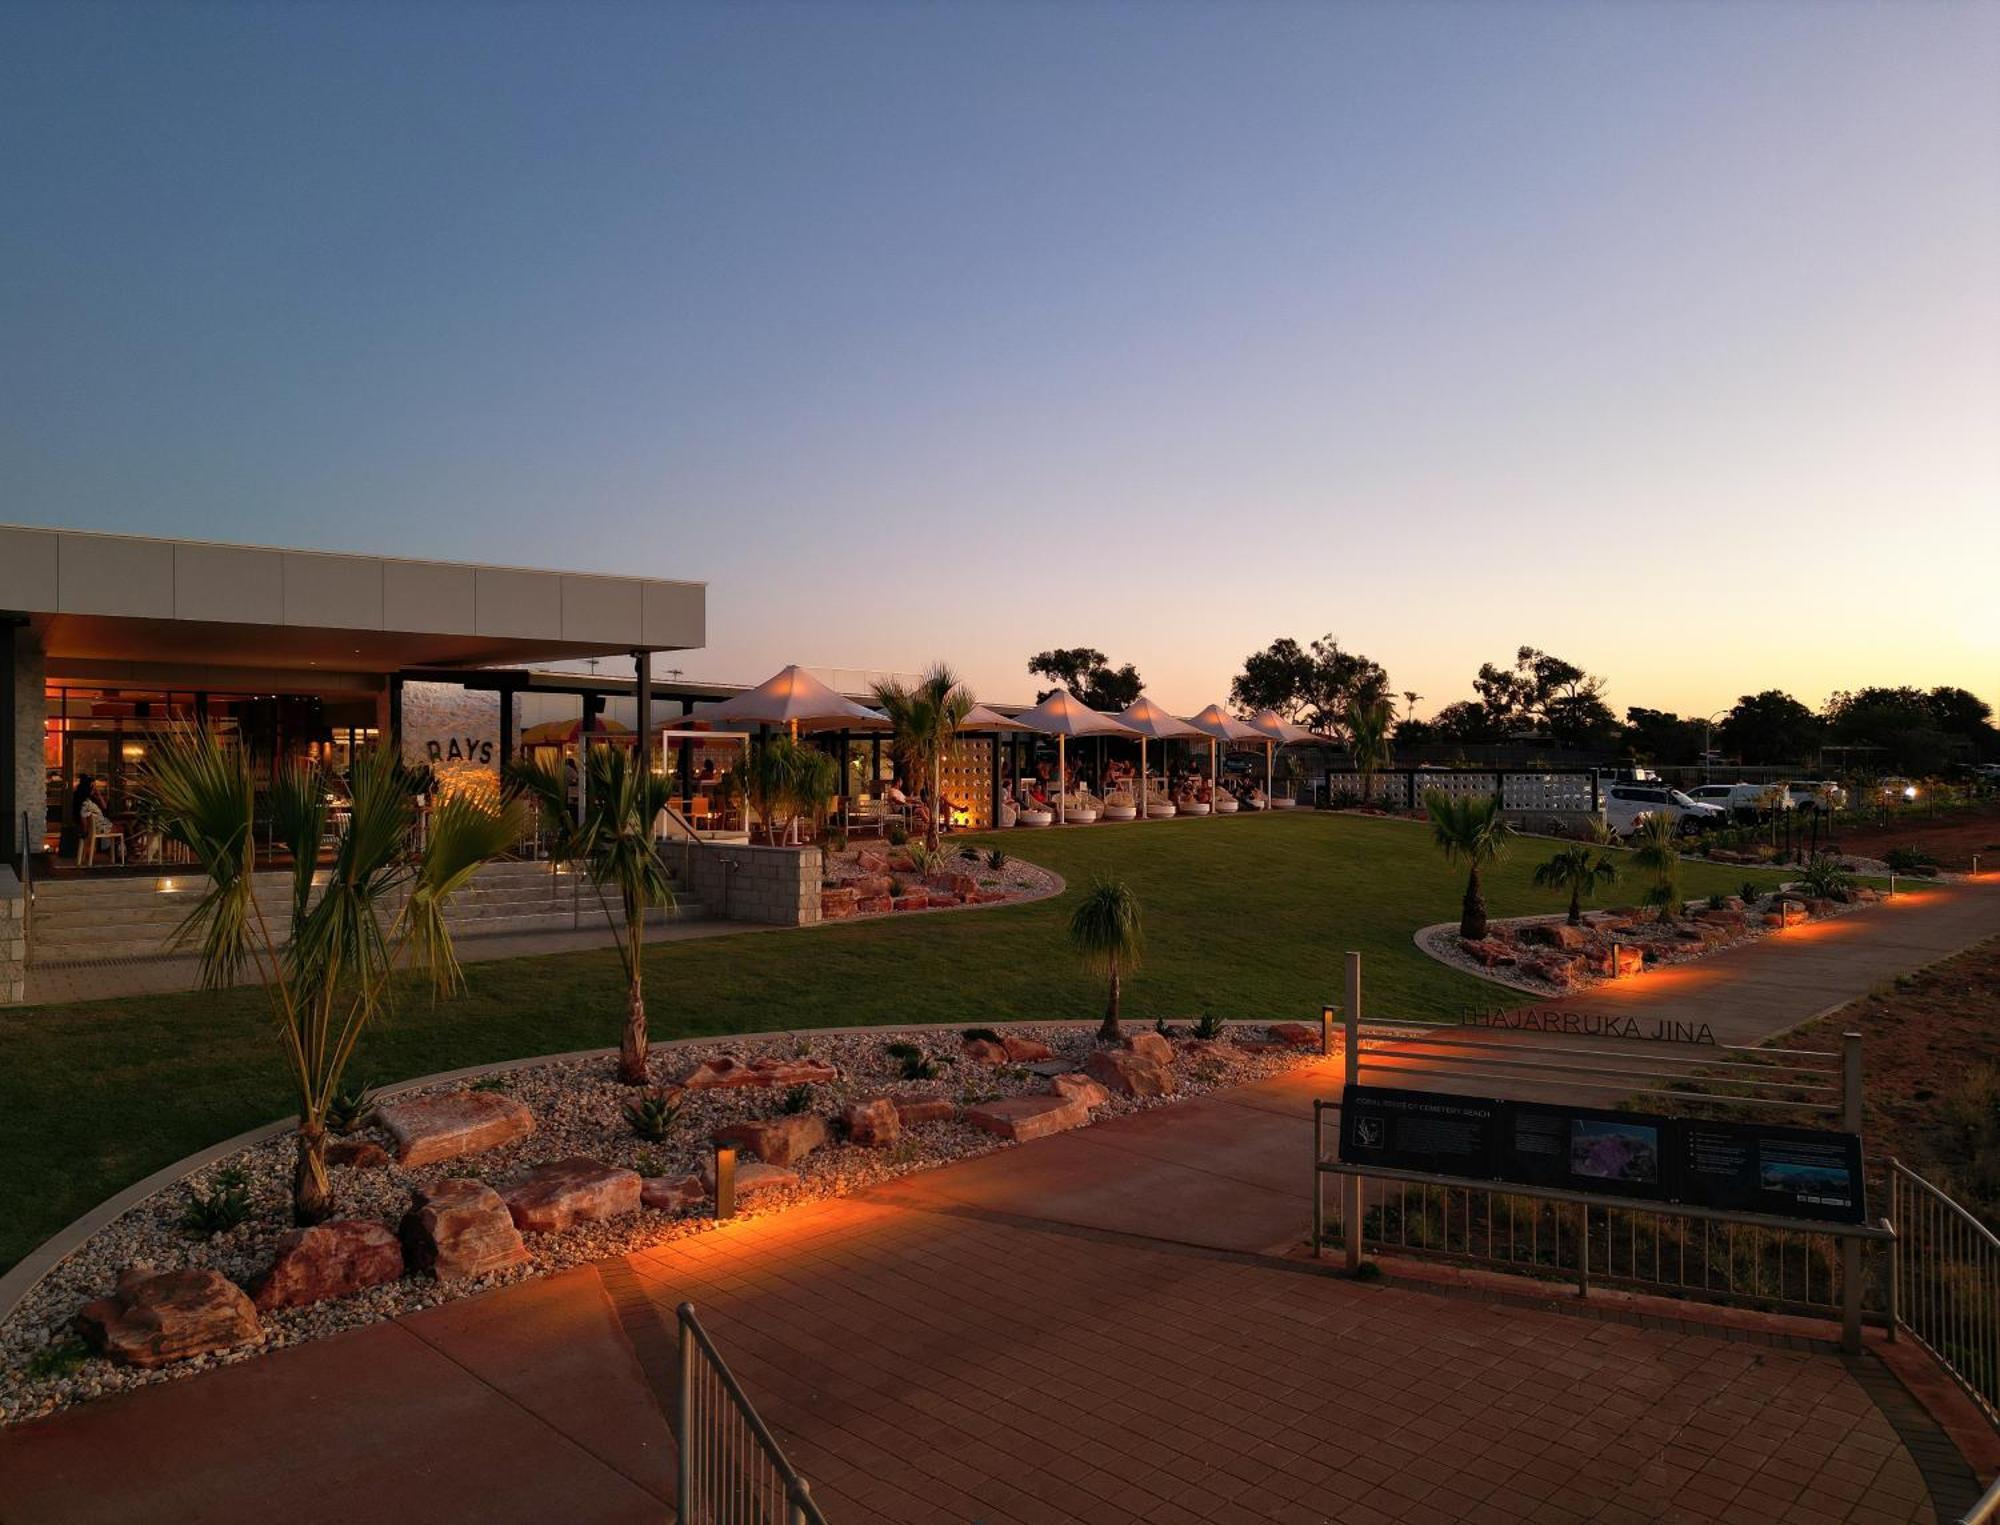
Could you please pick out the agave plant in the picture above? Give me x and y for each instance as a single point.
(655, 1116)
(613, 843)
(1824, 879)
(327, 971)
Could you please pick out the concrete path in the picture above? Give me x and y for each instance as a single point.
(1090, 1328)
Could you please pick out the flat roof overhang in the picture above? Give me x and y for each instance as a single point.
(123, 598)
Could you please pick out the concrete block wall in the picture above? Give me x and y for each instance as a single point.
(13, 939)
(777, 886)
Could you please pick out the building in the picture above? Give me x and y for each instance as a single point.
(108, 637)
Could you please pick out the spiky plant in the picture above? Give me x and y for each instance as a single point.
(1656, 850)
(1369, 722)
(1472, 831)
(1105, 930)
(613, 844)
(923, 721)
(655, 1116)
(328, 972)
(1578, 868)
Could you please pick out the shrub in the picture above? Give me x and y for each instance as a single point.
(350, 1109)
(996, 859)
(57, 1359)
(493, 1083)
(836, 841)
(897, 885)
(648, 1163)
(903, 1051)
(917, 1067)
(1209, 1027)
(1825, 879)
(1910, 860)
(1750, 892)
(898, 834)
(798, 1099)
(969, 854)
(1718, 901)
(654, 1116)
(221, 1208)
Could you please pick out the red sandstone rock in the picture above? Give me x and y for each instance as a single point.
(985, 1051)
(1487, 952)
(873, 1122)
(1150, 1046)
(752, 1176)
(958, 886)
(432, 1128)
(461, 1228)
(911, 1110)
(1554, 934)
(334, 1259)
(554, 1196)
(874, 905)
(873, 885)
(672, 1194)
(1129, 1073)
(777, 1140)
(1025, 1050)
(731, 1071)
(356, 1154)
(1079, 1088)
(1627, 958)
(159, 1316)
(1293, 1034)
(837, 905)
(871, 862)
(914, 902)
(1022, 1118)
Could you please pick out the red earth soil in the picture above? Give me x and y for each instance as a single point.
(1951, 839)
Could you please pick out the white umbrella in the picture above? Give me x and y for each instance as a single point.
(1217, 724)
(1148, 719)
(1063, 715)
(1277, 732)
(980, 718)
(794, 699)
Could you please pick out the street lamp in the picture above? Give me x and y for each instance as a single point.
(1708, 742)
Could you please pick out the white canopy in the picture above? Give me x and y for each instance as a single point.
(1275, 727)
(793, 698)
(980, 718)
(1148, 719)
(1063, 715)
(1218, 723)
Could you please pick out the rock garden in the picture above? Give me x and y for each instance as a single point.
(886, 879)
(445, 1191)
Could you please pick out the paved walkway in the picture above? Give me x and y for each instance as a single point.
(1091, 1328)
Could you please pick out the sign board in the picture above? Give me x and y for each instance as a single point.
(1806, 1173)
(1420, 1130)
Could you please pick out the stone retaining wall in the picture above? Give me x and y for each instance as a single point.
(778, 886)
(13, 939)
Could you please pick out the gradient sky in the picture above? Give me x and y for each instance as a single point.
(1665, 337)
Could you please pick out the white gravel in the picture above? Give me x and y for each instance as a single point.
(579, 1109)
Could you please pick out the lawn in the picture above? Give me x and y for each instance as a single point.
(1244, 918)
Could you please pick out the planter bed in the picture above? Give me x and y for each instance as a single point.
(866, 881)
(578, 1111)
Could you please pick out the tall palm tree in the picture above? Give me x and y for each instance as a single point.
(1579, 868)
(1410, 698)
(1368, 724)
(613, 843)
(327, 972)
(1104, 928)
(1472, 830)
(1656, 848)
(923, 720)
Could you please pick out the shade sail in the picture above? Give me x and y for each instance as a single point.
(1215, 722)
(1063, 714)
(793, 698)
(1272, 726)
(563, 733)
(1148, 719)
(980, 718)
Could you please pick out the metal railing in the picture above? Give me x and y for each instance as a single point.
(1945, 1284)
(732, 1472)
(1986, 1510)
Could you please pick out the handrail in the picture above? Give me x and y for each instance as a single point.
(1944, 1285)
(1986, 1510)
(722, 1480)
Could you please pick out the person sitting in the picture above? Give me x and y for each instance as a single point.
(96, 829)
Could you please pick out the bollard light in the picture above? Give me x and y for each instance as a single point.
(1326, 1031)
(725, 1181)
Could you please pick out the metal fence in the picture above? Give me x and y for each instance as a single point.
(1945, 1284)
(732, 1472)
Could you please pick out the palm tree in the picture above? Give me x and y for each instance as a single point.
(1578, 868)
(1410, 698)
(1656, 848)
(1368, 725)
(1471, 829)
(1104, 928)
(327, 972)
(923, 721)
(613, 844)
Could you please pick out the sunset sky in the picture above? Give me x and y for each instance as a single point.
(1664, 337)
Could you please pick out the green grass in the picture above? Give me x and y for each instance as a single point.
(1244, 918)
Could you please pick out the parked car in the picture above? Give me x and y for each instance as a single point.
(1626, 805)
(1898, 789)
(1746, 802)
(1817, 794)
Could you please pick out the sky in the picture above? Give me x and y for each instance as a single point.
(1665, 337)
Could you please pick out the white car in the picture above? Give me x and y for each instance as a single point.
(1626, 805)
(1817, 794)
(1744, 801)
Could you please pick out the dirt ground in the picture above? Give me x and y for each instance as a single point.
(1951, 839)
(1931, 1060)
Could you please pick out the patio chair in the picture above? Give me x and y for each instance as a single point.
(100, 832)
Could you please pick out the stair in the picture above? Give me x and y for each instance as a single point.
(87, 921)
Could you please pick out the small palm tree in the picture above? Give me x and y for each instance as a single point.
(613, 844)
(1104, 928)
(1578, 868)
(923, 721)
(1471, 829)
(1368, 725)
(328, 971)
(1656, 849)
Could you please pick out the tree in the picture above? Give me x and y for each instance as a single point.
(1899, 725)
(613, 843)
(1770, 729)
(1656, 849)
(328, 973)
(1578, 868)
(1369, 722)
(1105, 930)
(923, 722)
(1660, 736)
(1471, 830)
(1084, 671)
(1543, 695)
(788, 781)
(1958, 712)
(1313, 686)
(1466, 723)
